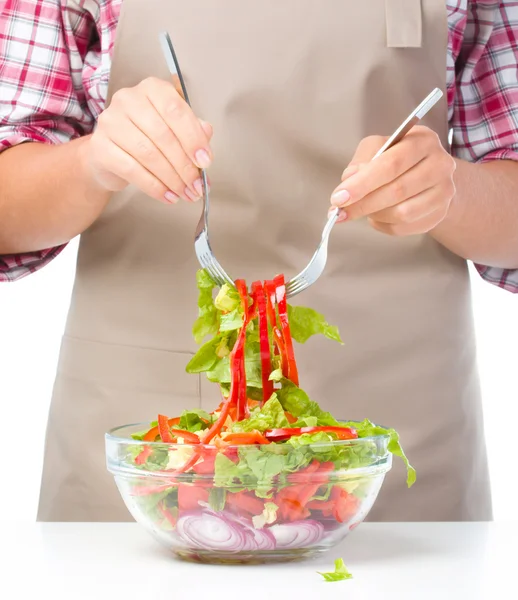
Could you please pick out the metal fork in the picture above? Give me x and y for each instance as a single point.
(316, 265)
(201, 236)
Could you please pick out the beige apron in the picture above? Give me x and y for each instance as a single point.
(290, 87)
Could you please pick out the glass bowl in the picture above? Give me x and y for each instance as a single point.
(247, 504)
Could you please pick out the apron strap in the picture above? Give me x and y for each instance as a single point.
(404, 23)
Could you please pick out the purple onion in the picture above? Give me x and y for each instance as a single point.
(209, 530)
(299, 534)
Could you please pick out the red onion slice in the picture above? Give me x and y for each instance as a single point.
(300, 534)
(208, 531)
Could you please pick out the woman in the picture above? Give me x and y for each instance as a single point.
(295, 92)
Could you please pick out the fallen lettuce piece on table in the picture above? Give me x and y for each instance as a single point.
(339, 574)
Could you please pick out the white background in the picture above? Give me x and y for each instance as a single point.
(32, 318)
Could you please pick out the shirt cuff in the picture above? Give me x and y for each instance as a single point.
(16, 266)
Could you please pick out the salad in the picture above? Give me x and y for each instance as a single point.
(268, 469)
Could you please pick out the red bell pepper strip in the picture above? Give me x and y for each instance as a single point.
(153, 432)
(278, 435)
(280, 292)
(279, 343)
(166, 514)
(187, 436)
(253, 437)
(269, 289)
(290, 417)
(163, 429)
(264, 342)
(144, 455)
(237, 365)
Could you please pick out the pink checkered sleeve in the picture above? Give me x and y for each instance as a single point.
(484, 99)
(44, 52)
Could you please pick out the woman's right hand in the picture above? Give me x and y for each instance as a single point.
(149, 137)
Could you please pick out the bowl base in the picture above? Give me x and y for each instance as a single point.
(255, 558)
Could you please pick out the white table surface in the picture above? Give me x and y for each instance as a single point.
(418, 561)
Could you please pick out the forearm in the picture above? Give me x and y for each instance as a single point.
(47, 196)
(482, 222)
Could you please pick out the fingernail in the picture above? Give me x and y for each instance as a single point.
(340, 198)
(198, 186)
(190, 196)
(342, 216)
(202, 159)
(171, 197)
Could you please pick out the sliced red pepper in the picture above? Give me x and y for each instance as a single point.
(166, 514)
(280, 292)
(278, 435)
(187, 436)
(281, 350)
(291, 419)
(153, 432)
(237, 365)
(144, 455)
(163, 429)
(206, 466)
(264, 342)
(253, 437)
(269, 289)
(242, 501)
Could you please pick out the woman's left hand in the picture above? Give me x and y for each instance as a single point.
(405, 191)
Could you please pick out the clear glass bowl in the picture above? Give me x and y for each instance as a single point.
(219, 513)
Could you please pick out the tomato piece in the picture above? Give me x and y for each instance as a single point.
(242, 501)
(189, 496)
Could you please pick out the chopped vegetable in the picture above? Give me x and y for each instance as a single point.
(268, 469)
(339, 574)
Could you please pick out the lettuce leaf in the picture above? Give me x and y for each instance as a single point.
(339, 574)
(306, 322)
(367, 429)
(194, 420)
(270, 416)
(207, 322)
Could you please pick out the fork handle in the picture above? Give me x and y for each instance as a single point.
(413, 119)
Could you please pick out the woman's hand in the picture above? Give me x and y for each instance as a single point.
(405, 191)
(149, 137)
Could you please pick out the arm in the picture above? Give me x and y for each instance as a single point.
(482, 221)
(58, 201)
(468, 203)
(53, 188)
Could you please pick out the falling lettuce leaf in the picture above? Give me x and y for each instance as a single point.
(207, 322)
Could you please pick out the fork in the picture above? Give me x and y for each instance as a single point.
(316, 265)
(202, 247)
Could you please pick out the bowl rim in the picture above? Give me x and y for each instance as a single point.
(110, 436)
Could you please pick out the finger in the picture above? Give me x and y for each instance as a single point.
(384, 169)
(412, 210)
(424, 225)
(367, 148)
(181, 119)
(125, 166)
(207, 128)
(146, 118)
(134, 142)
(411, 183)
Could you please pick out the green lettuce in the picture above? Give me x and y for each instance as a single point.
(207, 322)
(367, 429)
(270, 416)
(306, 322)
(195, 420)
(339, 574)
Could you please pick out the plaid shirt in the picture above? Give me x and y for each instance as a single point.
(55, 58)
